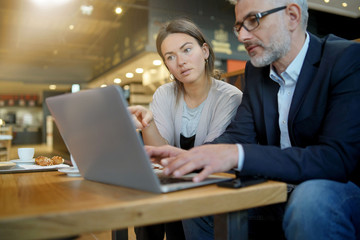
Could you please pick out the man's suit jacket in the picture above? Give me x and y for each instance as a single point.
(324, 118)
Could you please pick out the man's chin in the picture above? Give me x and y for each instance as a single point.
(256, 63)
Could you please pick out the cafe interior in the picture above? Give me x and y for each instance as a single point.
(53, 47)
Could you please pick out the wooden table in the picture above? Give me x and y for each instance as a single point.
(45, 205)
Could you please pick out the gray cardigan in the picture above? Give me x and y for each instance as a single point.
(219, 109)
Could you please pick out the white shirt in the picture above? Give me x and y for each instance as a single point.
(287, 81)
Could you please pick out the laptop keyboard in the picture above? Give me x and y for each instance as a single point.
(166, 179)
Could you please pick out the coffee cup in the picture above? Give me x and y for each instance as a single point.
(26, 154)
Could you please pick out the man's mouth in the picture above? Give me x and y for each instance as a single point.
(250, 49)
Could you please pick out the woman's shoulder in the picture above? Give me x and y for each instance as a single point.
(225, 88)
(166, 89)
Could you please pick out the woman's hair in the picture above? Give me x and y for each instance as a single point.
(186, 26)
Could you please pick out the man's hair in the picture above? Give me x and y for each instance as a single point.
(302, 3)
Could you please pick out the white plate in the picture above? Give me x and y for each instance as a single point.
(18, 161)
(70, 171)
(6, 165)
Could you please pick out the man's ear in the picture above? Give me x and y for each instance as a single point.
(293, 12)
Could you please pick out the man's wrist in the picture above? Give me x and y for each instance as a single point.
(240, 157)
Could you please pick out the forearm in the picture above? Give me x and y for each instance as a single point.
(151, 135)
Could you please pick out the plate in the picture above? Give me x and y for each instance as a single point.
(18, 161)
(7, 165)
(70, 171)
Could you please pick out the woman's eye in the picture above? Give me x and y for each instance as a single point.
(187, 50)
(169, 58)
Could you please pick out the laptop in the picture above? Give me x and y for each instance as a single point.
(99, 132)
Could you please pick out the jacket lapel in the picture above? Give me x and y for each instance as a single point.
(270, 103)
(306, 76)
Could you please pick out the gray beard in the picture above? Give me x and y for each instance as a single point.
(279, 46)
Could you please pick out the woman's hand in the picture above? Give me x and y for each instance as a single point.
(142, 116)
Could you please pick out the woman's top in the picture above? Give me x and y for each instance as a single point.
(218, 110)
(189, 124)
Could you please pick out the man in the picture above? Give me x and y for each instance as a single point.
(298, 122)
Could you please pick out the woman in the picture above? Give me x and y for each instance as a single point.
(193, 109)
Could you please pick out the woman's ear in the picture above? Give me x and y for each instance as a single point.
(293, 12)
(205, 49)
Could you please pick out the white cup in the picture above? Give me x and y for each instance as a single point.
(26, 154)
(73, 162)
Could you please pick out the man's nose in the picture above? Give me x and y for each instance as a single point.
(244, 35)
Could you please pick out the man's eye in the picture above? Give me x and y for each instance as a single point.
(251, 21)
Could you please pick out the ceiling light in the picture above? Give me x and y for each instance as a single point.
(117, 80)
(52, 87)
(71, 27)
(157, 62)
(103, 85)
(326, 1)
(129, 75)
(344, 4)
(45, 3)
(139, 70)
(118, 10)
(86, 9)
(75, 88)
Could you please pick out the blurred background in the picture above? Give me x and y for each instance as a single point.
(51, 47)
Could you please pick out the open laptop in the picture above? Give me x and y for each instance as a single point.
(100, 134)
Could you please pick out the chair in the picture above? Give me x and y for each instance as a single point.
(5, 143)
(236, 78)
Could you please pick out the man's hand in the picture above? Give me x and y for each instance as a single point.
(163, 152)
(210, 158)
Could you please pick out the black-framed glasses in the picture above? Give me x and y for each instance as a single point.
(252, 21)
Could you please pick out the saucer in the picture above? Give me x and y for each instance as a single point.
(70, 171)
(19, 161)
(6, 165)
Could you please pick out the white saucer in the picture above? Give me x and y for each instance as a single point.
(6, 165)
(70, 171)
(18, 161)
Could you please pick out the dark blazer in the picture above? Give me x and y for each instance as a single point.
(324, 118)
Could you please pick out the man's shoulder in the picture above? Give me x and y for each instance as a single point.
(335, 45)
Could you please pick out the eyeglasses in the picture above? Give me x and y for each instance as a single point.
(252, 21)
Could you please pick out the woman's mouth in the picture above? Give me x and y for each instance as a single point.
(185, 72)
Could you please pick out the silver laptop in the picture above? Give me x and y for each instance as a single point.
(100, 134)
